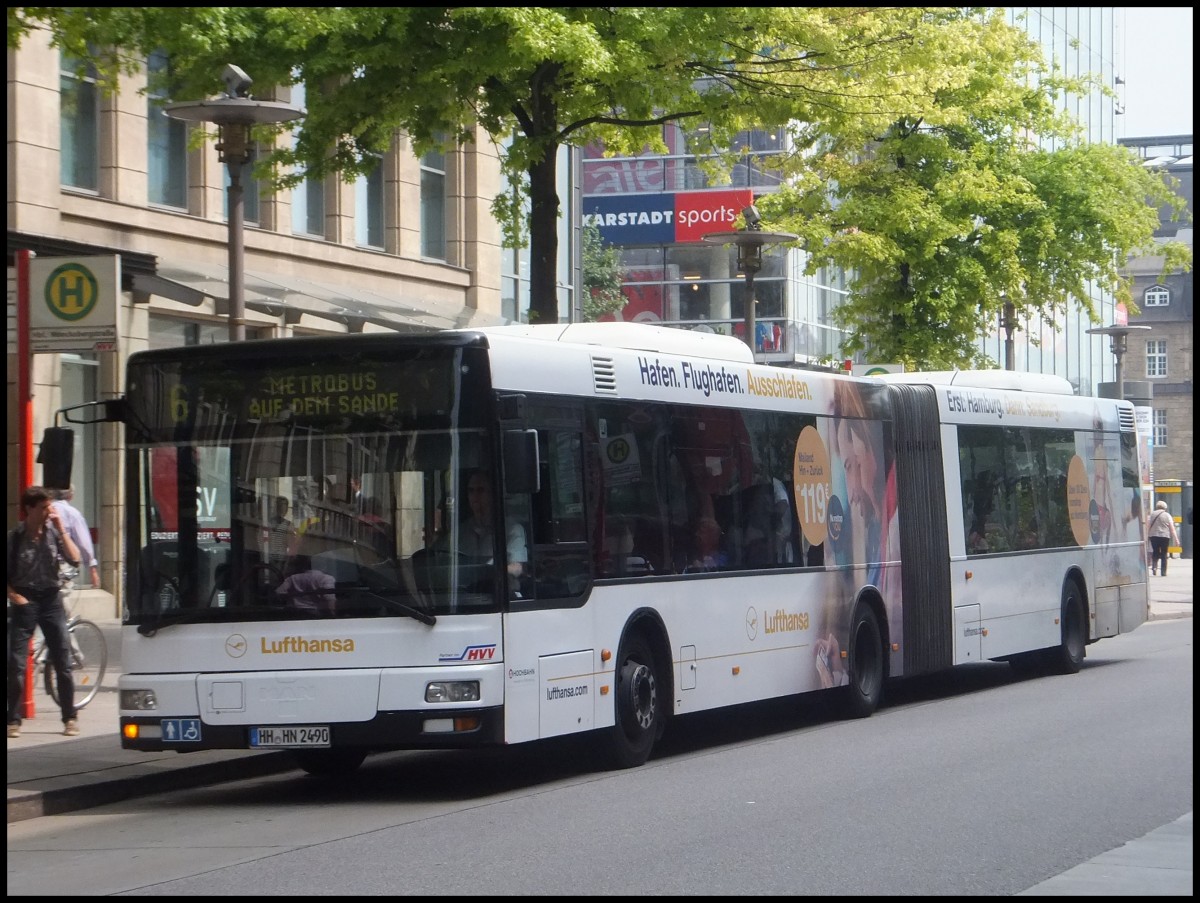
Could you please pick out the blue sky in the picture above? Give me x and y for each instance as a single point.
(1155, 59)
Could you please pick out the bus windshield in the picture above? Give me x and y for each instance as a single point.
(327, 487)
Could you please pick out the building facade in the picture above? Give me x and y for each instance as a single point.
(413, 246)
(1164, 356)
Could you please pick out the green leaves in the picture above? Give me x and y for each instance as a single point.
(916, 168)
(954, 208)
(601, 276)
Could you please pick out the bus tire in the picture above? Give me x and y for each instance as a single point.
(639, 717)
(865, 664)
(1067, 657)
(329, 762)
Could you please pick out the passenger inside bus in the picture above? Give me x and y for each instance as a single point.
(308, 590)
(753, 542)
(280, 534)
(706, 554)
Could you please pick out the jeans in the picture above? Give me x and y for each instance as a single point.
(45, 609)
(1158, 554)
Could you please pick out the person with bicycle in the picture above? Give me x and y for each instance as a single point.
(78, 530)
(37, 549)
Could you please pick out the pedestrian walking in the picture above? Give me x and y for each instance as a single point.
(80, 532)
(1160, 527)
(37, 549)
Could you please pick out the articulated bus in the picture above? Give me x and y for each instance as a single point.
(339, 545)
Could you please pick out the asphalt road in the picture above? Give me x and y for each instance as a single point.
(973, 782)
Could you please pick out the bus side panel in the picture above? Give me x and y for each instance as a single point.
(924, 543)
(553, 676)
(729, 646)
(1135, 606)
(1021, 599)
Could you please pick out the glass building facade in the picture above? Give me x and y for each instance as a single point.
(655, 209)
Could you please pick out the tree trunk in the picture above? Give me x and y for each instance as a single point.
(543, 239)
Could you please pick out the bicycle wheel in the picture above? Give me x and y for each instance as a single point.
(89, 657)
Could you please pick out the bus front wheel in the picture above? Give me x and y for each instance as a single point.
(639, 718)
(866, 667)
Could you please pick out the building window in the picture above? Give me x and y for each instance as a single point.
(1156, 358)
(433, 205)
(171, 332)
(368, 208)
(1157, 296)
(308, 198)
(514, 284)
(79, 119)
(166, 175)
(79, 382)
(1160, 428)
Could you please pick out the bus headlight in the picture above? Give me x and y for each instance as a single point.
(452, 691)
(139, 700)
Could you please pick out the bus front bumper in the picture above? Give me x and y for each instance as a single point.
(455, 729)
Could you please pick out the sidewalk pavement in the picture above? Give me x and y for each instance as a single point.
(49, 774)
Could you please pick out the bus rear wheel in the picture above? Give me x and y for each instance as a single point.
(639, 719)
(329, 762)
(865, 664)
(1067, 657)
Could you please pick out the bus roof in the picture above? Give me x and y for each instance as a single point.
(987, 379)
(633, 336)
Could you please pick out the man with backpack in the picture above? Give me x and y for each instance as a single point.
(37, 549)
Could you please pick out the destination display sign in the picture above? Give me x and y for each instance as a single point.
(185, 395)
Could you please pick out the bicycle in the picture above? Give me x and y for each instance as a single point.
(89, 658)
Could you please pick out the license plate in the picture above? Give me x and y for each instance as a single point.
(289, 737)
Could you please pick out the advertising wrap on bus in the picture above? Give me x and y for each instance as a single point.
(339, 545)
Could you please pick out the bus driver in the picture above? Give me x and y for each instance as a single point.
(476, 538)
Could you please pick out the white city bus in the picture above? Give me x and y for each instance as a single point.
(672, 528)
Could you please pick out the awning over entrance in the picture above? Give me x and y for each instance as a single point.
(292, 298)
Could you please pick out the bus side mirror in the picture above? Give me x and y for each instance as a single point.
(56, 456)
(522, 470)
(108, 410)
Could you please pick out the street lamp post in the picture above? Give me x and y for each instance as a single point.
(1119, 333)
(1008, 322)
(749, 243)
(233, 115)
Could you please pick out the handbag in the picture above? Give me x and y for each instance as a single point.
(67, 573)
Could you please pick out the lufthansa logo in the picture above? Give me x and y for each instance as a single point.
(235, 646)
(751, 622)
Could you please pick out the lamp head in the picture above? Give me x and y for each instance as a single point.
(237, 82)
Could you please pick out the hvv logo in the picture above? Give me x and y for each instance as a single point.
(472, 654)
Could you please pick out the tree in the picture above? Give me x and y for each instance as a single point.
(941, 219)
(601, 276)
(534, 78)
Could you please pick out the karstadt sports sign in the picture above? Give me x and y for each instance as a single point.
(649, 219)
